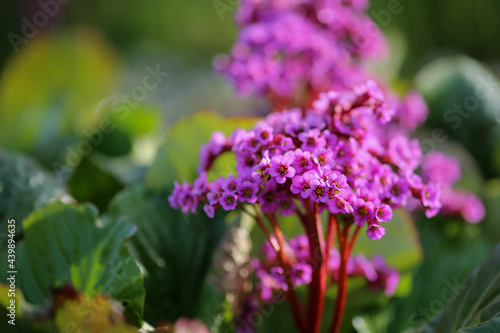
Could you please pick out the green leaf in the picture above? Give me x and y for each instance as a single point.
(463, 103)
(24, 187)
(489, 326)
(67, 75)
(65, 244)
(452, 248)
(178, 158)
(480, 290)
(175, 249)
(100, 190)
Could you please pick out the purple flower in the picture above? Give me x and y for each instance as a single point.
(281, 167)
(339, 205)
(209, 210)
(231, 184)
(200, 185)
(458, 202)
(405, 154)
(279, 275)
(268, 198)
(264, 133)
(324, 157)
(182, 197)
(228, 201)
(267, 250)
(383, 213)
(363, 211)
(312, 140)
(300, 247)
(302, 184)
(359, 265)
(318, 190)
(387, 277)
(412, 111)
(441, 169)
(287, 206)
(337, 181)
(247, 191)
(246, 163)
(399, 192)
(430, 199)
(473, 209)
(375, 231)
(302, 160)
(301, 274)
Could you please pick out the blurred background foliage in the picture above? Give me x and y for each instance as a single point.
(65, 101)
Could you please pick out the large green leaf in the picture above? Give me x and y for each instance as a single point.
(178, 158)
(175, 250)
(463, 103)
(24, 186)
(452, 248)
(66, 244)
(489, 326)
(66, 75)
(474, 302)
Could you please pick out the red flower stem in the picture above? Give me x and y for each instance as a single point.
(317, 287)
(292, 297)
(343, 235)
(330, 235)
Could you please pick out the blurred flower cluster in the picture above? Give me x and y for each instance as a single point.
(271, 276)
(287, 47)
(445, 171)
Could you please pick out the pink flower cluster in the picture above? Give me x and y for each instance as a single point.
(445, 171)
(286, 46)
(334, 155)
(271, 276)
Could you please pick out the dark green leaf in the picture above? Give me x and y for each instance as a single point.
(477, 293)
(175, 250)
(489, 326)
(463, 103)
(100, 190)
(65, 244)
(24, 186)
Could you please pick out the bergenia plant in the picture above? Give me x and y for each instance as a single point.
(336, 146)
